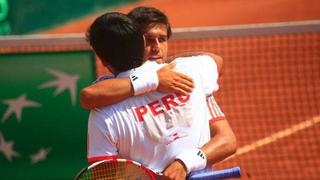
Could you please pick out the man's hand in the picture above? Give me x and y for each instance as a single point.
(176, 171)
(171, 81)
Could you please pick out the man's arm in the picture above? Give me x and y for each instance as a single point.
(221, 145)
(223, 140)
(111, 91)
(106, 92)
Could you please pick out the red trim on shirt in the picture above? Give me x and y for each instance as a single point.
(216, 119)
(215, 111)
(100, 158)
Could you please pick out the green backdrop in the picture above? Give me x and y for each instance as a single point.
(27, 16)
(43, 128)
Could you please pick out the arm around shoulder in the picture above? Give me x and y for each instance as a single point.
(111, 91)
(222, 144)
(106, 92)
(218, 60)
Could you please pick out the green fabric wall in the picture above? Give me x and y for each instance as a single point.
(27, 16)
(43, 129)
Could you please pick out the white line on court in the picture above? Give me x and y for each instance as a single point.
(276, 136)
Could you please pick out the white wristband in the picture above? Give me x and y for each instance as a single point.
(143, 83)
(193, 159)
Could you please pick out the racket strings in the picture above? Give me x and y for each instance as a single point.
(115, 171)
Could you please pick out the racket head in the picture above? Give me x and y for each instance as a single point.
(115, 169)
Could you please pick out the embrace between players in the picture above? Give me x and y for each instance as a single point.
(161, 115)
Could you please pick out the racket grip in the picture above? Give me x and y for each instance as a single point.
(234, 172)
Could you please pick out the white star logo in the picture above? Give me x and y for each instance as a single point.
(40, 155)
(7, 148)
(64, 81)
(16, 106)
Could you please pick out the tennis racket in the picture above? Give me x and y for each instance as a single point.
(127, 169)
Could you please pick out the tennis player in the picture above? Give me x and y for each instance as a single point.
(162, 131)
(157, 30)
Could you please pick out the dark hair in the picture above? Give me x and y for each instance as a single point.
(147, 15)
(117, 40)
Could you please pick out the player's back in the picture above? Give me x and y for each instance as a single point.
(154, 128)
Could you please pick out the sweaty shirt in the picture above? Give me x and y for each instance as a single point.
(155, 128)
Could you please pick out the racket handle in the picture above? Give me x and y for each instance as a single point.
(234, 172)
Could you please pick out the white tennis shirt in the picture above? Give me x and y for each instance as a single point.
(155, 127)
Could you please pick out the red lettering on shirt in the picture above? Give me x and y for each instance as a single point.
(140, 111)
(168, 100)
(155, 108)
(182, 98)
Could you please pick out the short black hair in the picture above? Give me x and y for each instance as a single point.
(147, 15)
(117, 40)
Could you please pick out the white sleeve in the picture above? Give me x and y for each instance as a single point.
(101, 142)
(215, 113)
(205, 67)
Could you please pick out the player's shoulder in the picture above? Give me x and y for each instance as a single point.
(195, 62)
(203, 57)
(105, 111)
(118, 109)
(152, 65)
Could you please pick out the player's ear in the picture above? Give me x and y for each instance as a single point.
(144, 41)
